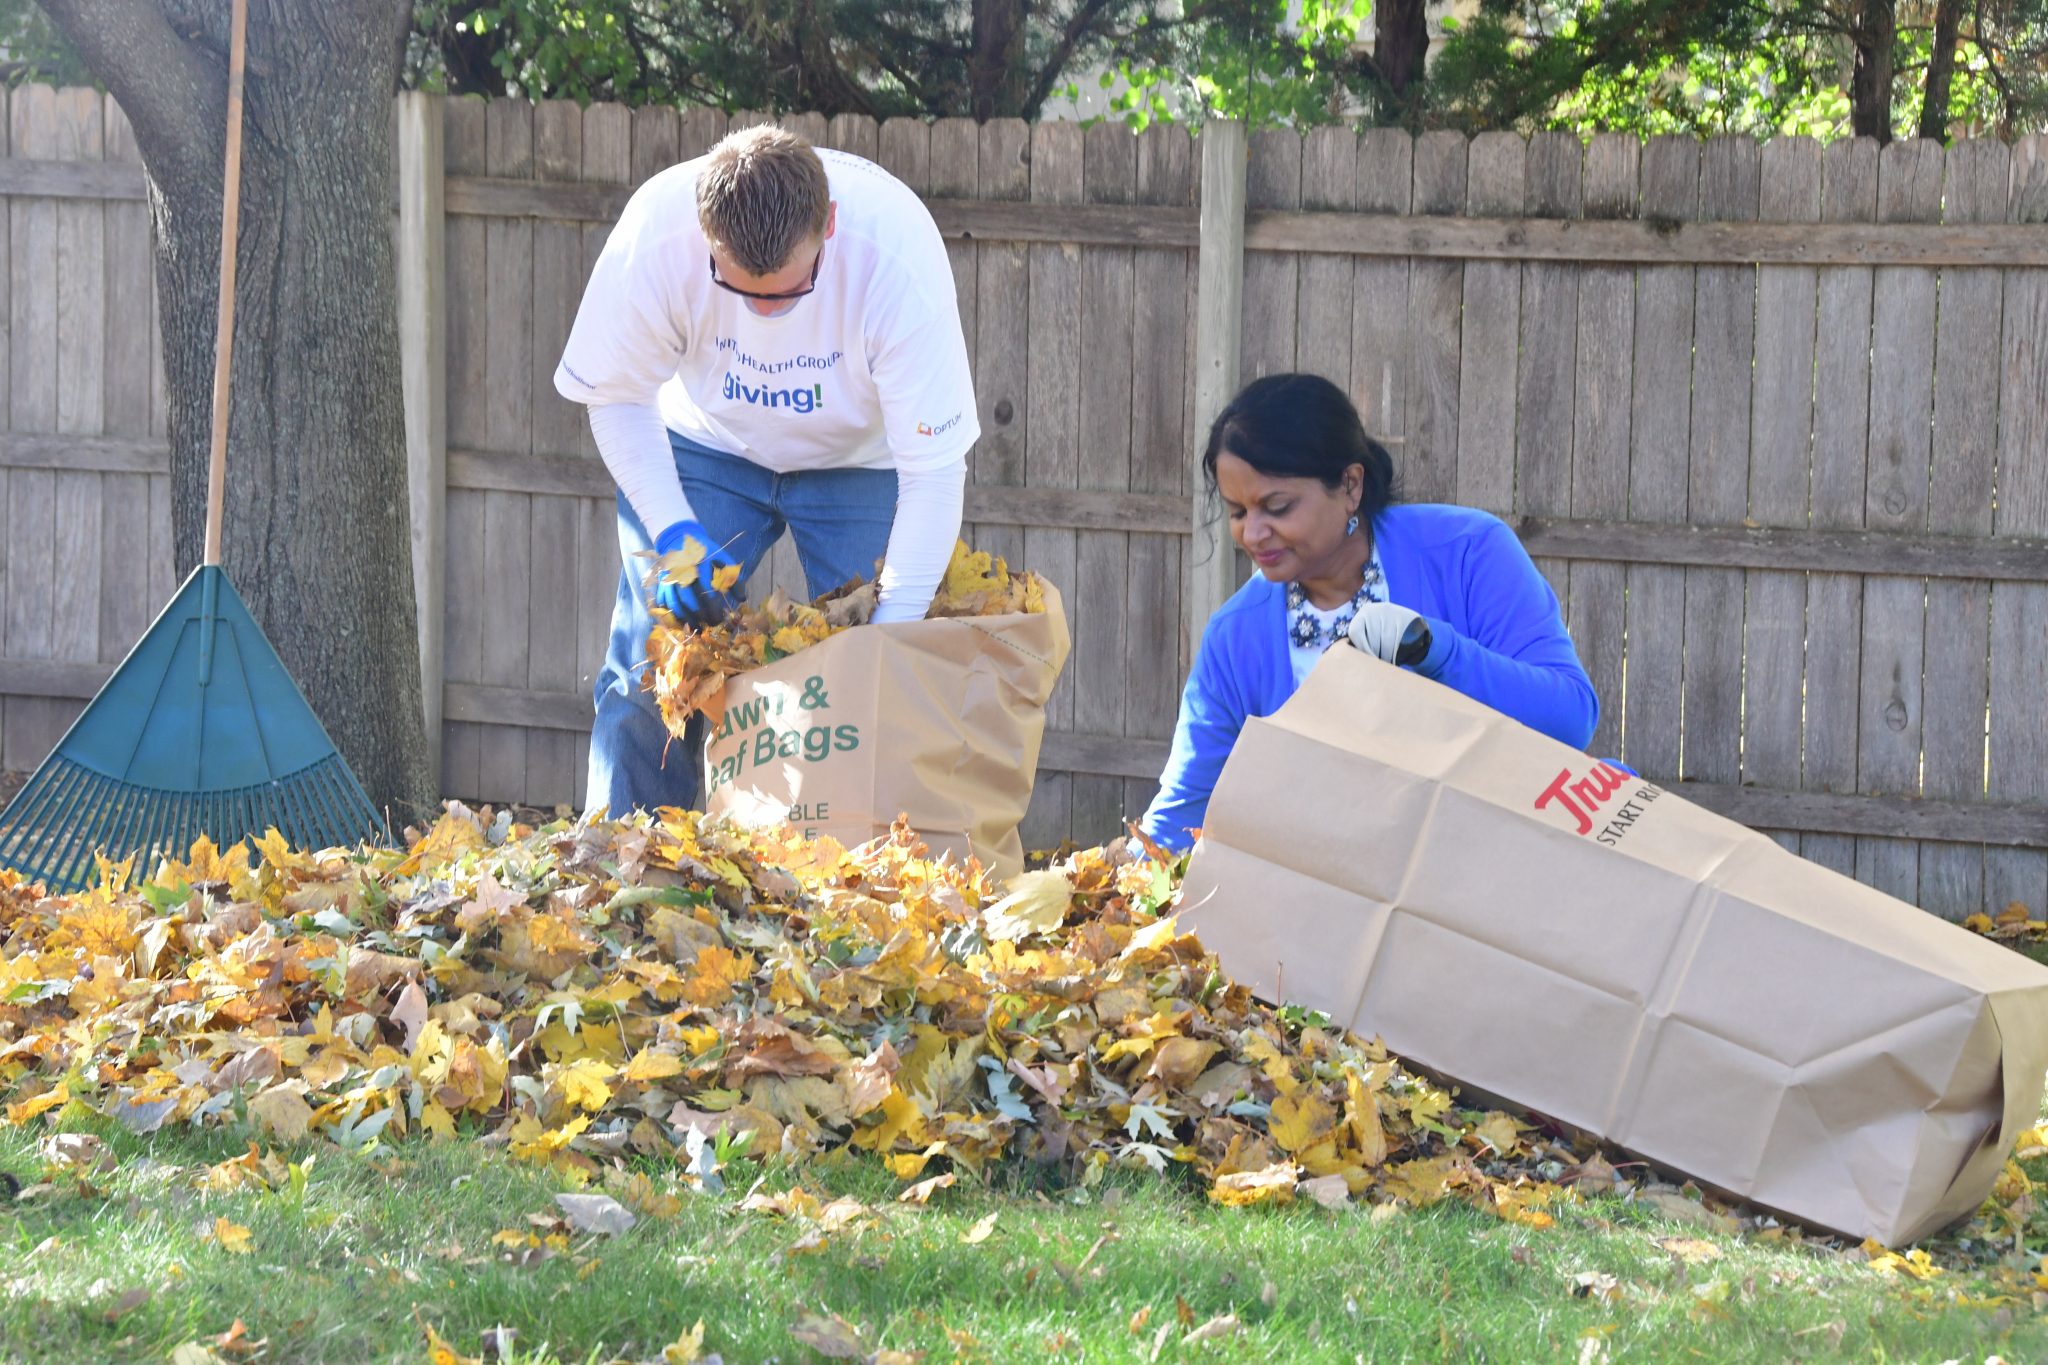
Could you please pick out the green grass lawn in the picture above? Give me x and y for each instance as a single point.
(369, 1250)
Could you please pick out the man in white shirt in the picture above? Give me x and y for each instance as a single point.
(769, 340)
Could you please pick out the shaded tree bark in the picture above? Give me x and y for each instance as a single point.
(1941, 70)
(1400, 47)
(316, 535)
(994, 81)
(1870, 82)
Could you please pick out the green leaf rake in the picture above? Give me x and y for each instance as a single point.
(200, 730)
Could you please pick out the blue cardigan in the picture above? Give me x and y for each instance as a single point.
(1496, 634)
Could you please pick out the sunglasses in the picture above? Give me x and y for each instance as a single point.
(792, 295)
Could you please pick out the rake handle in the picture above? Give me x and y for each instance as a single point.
(224, 331)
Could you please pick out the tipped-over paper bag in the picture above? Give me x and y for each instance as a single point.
(937, 720)
(1533, 923)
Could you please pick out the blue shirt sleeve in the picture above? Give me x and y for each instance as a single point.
(1515, 655)
(1212, 712)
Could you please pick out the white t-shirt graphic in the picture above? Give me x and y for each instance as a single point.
(869, 371)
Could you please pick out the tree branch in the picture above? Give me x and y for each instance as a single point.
(173, 91)
(1056, 65)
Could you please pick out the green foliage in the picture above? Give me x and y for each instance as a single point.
(1248, 63)
(33, 52)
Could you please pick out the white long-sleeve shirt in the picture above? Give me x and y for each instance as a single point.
(869, 371)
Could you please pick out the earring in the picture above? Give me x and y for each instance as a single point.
(1351, 526)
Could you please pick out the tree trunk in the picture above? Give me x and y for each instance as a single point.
(994, 82)
(1941, 70)
(316, 536)
(1400, 47)
(1870, 83)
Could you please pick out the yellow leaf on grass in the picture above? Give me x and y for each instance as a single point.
(1691, 1250)
(532, 1142)
(28, 1109)
(232, 1237)
(689, 1347)
(439, 1352)
(651, 1065)
(1915, 1263)
(1274, 1184)
(979, 1233)
(921, 1192)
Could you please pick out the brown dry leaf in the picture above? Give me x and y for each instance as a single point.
(1330, 1191)
(283, 1110)
(922, 1191)
(829, 1335)
(127, 1303)
(1674, 1205)
(1215, 1329)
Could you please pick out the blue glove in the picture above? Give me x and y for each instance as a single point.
(698, 602)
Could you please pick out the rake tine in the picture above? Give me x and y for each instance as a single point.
(334, 810)
(26, 846)
(306, 795)
(156, 812)
(292, 819)
(65, 853)
(35, 805)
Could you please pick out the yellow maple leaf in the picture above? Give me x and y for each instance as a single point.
(530, 1141)
(649, 1064)
(1300, 1122)
(687, 1348)
(972, 571)
(453, 835)
(699, 1038)
(232, 1237)
(680, 565)
(1362, 1120)
(583, 1083)
(21, 1113)
(1036, 904)
(714, 974)
(1274, 1184)
(1500, 1133)
(724, 577)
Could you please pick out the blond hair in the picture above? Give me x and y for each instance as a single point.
(761, 193)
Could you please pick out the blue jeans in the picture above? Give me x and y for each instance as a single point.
(840, 519)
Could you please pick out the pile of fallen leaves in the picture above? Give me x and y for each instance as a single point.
(691, 991)
(689, 664)
(2013, 925)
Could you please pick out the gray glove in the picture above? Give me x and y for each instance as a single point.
(1392, 633)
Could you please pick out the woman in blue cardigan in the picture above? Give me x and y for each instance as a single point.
(1447, 592)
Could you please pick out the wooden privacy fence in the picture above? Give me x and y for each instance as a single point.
(1771, 418)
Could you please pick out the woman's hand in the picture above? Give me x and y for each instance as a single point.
(1392, 633)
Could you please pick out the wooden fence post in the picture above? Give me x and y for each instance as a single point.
(423, 352)
(1219, 330)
